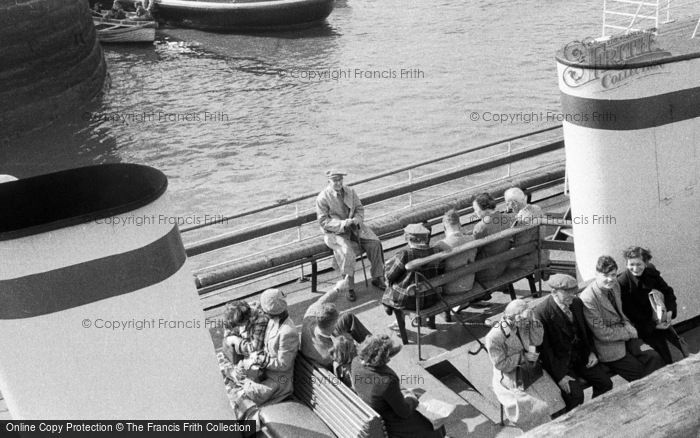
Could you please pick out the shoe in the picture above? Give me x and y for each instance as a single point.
(350, 295)
(379, 283)
(388, 310)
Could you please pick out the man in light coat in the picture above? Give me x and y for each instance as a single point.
(341, 217)
(614, 336)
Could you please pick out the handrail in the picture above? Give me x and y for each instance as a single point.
(240, 236)
(391, 172)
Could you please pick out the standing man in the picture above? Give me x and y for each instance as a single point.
(341, 216)
(567, 351)
(615, 338)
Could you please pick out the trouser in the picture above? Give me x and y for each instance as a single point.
(657, 340)
(596, 376)
(348, 323)
(635, 365)
(344, 252)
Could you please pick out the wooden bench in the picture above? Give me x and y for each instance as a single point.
(526, 241)
(318, 394)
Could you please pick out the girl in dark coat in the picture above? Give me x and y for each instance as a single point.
(378, 386)
(640, 278)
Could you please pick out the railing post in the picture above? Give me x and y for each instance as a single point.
(510, 149)
(296, 213)
(605, 10)
(410, 195)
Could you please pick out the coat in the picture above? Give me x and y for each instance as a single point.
(526, 408)
(607, 325)
(397, 294)
(635, 298)
(331, 210)
(281, 347)
(466, 282)
(556, 350)
(380, 388)
(487, 226)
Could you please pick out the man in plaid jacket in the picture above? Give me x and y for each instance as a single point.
(397, 295)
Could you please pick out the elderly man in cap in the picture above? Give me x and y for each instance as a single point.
(276, 360)
(567, 351)
(396, 296)
(341, 216)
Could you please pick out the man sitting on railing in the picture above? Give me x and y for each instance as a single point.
(397, 295)
(341, 216)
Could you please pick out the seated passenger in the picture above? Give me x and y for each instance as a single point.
(379, 387)
(117, 12)
(397, 294)
(343, 352)
(141, 12)
(244, 330)
(276, 360)
(509, 345)
(567, 350)
(614, 336)
(341, 216)
(97, 9)
(455, 237)
(322, 322)
(640, 278)
(491, 223)
(525, 214)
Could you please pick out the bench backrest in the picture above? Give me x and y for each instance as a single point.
(338, 406)
(525, 240)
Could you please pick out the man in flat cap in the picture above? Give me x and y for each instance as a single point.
(396, 296)
(341, 216)
(568, 351)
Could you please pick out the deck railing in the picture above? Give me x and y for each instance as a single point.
(442, 176)
(625, 16)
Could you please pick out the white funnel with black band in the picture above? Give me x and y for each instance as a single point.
(631, 106)
(99, 315)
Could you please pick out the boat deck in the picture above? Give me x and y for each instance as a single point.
(444, 349)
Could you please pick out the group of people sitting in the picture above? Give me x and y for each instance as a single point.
(341, 218)
(544, 356)
(261, 343)
(577, 340)
(141, 10)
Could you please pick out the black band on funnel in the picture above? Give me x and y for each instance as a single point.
(48, 202)
(95, 280)
(631, 114)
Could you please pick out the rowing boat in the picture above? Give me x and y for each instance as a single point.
(243, 15)
(124, 31)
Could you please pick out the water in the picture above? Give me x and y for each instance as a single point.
(274, 131)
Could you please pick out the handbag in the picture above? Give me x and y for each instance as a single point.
(527, 373)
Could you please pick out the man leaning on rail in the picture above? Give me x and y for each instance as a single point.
(341, 216)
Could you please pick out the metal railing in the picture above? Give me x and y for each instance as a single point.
(386, 193)
(625, 16)
(228, 255)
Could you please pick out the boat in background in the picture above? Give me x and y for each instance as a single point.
(124, 31)
(227, 15)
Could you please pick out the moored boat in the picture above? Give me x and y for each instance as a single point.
(124, 31)
(243, 15)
